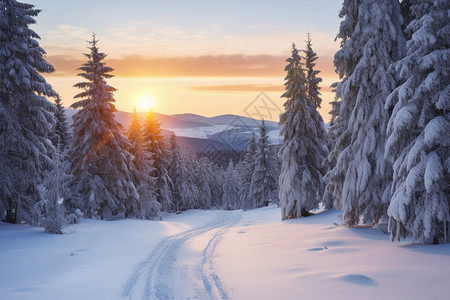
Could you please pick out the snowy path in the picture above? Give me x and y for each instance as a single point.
(177, 261)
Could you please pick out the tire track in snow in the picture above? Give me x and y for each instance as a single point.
(153, 278)
(211, 280)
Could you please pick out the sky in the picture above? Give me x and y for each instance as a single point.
(203, 57)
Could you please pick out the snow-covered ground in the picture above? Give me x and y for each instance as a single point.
(218, 255)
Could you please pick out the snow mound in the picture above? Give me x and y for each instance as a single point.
(357, 279)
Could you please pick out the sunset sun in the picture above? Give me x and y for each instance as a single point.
(145, 103)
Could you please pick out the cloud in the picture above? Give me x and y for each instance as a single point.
(238, 88)
(134, 66)
(201, 66)
(243, 88)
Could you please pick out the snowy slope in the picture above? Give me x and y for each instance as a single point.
(218, 255)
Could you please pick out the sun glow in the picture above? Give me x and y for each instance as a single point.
(145, 103)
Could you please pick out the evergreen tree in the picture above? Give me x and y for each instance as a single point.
(50, 210)
(154, 142)
(312, 81)
(303, 149)
(313, 94)
(182, 197)
(101, 165)
(26, 116)
(147, 207)
(264, 178)
(230, 199)
(419, 128)
(203, 183)
(333, 133)
(372, 40)
(61, 135)
(246, 171)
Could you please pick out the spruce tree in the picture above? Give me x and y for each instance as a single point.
(246, 171)
(154, 143)
(312, 81)
(61, 135)
(26, 116)
(263, 183)
(314, 96)
(303, 149)
(419, 128)
(230, 199)
(182, 196)
(372, 39)
(147, 207)
(203, 183)
(51, 210)
(100, 162)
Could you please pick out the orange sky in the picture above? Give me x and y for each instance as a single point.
(208, 59)
(207, 85)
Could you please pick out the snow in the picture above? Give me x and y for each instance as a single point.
(200, 132)
(218, 255)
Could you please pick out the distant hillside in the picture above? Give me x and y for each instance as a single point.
(204, 134)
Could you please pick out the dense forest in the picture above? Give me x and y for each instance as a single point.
(385, 158)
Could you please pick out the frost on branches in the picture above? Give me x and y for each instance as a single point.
(263, 185)
(26, 116)
(372, 39)
(100, 162)
(419, 129)
(147, 207)
(246, 170)
(154, 143)
(304, 146)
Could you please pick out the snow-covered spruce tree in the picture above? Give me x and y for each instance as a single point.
(263, 183)
(303, 150)
(372, 39)
(51, 210)
(147, 207)
(246, 172)
(333, 134)
(314, 95)
(230, 199)
(154, 143)
(26, 116)
(182, 197)
(61, 135)
(312, 81)
(203, 183)
(216, 183)
(419, 128)
(100, 163)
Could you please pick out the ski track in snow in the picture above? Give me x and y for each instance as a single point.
(153, 277)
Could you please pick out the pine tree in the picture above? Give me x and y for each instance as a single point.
(246, 172)
(372, 40)
(203, 183)
(182, 197)
(61, 134)
(51, 211)
(263, 183)
(312, 81)
(100, 162)
(230, 199)
(26, 116)
(314, 95)
(419, 128)
(147, 207)
(333, 134)
(303, 149)
(154, 142)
